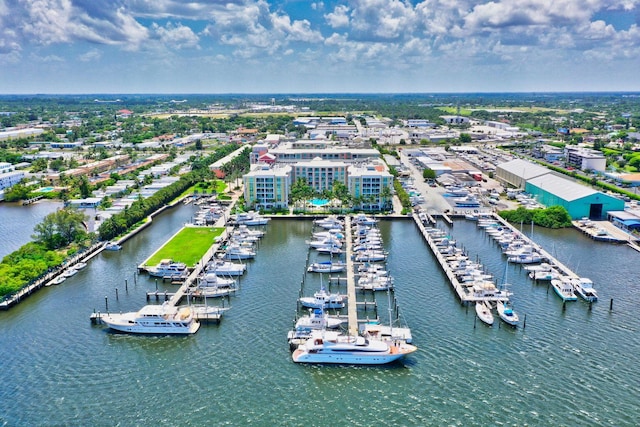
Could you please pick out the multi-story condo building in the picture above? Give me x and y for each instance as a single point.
(301, 151)
(367, 183)
(267, 187)
(320, 174)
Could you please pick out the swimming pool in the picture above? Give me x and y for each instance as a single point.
(45, 190)
(319, 202)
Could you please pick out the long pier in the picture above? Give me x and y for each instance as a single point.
(352, 308)
(461, 291)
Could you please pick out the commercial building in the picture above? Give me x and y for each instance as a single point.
(585, 158)
(516, 173)
(579, 200)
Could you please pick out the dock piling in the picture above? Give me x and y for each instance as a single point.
(117, 294)
(106, 303)
(611, 304)
(126, 286)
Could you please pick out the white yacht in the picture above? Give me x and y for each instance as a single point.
(112, 246)
(154, 319)
(483, 312)
(210, 279)
(352, 350)
(584, 288)
(235, 251)
(362, 219)
(226, 268)
(563, 288)
(327, 267)
(330, 222)
(316, 320)
(249, 218)
(169, 268)
(323, 299)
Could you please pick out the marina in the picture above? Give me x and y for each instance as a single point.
(428, 387)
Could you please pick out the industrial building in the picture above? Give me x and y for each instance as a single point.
(517, 172)
(579, 200)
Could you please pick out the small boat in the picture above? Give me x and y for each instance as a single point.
(80, 265)
(584, 288)
(331, 250)
(249, 218)
(506, 313)
(162, 319)
(351, 350)
(484, 312)
(375, 282)
(330, 222)
(59, 279)
(69, 272)
(544, 276)
(316, 320)
(327, 267)
(235, 251)
(226, 268)
(370, 256)
(112, 246)
(362, 219)
(210, 279)
(168, 268)
(564, 289)
(323, 299)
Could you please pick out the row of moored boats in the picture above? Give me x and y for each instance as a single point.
(518, 249)
(318, 337)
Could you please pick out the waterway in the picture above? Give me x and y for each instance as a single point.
(572, 366)
(17, 222)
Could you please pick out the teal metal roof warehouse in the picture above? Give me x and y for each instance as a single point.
(579, 200)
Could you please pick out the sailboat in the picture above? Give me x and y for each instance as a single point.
(505, 310)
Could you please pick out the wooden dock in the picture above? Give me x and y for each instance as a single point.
(352, 308)
(461, 291)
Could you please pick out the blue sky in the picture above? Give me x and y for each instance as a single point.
(303, 46)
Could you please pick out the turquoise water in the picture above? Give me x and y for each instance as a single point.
(319, 202)
(571, 366)
(45, 190)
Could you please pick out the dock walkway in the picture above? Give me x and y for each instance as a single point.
(352, 308)
(461, 291)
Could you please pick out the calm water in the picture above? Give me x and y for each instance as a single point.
(17, 222)
(571, 367)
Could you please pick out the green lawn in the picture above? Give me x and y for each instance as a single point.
(187, 246)
(219, 188)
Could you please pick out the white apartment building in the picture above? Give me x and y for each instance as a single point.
(320, 174)
(267, 187)
(366, 183)
(9, 179)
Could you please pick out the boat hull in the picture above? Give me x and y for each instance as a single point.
(302, 356)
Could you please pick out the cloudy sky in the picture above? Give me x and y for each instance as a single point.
(306, 46)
